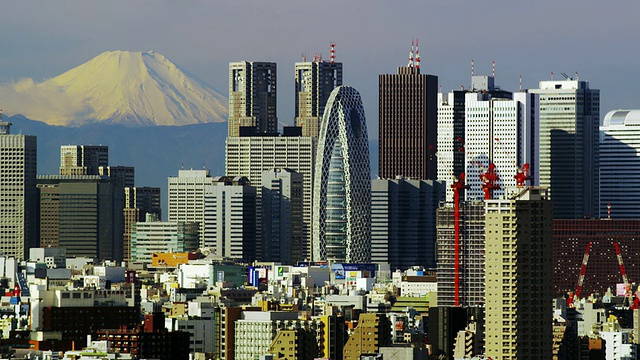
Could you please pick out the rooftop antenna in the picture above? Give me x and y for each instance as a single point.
(576, 76)
(333, 52)
(411, 55)
(182, 166)
(566, 77)
(461, 87)
(471, 67)
(440, 88)
(520, 82)
(204, 166)
(552, 76)
(417, 55)
(493, 69)
(304, 57)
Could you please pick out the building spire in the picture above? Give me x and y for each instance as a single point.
(411, 55)
(417, 55)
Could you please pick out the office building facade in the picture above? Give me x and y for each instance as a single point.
(82, 210)
(314, 82)
(282, 216)
(252, 97)
(138, 202)
(18, 192)
(569, 160)
(620, 165)
(501, 132)
(230, 218)
(518, 273)
(408, 124)
(342, 184)
(403, 228)
(186, 197)
(153, 236)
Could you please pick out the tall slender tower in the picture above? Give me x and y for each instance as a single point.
(252, 97)
(569, 138)
(518, 275)
(408, 122)
(314, 82)
(342, 183)
(18, 192)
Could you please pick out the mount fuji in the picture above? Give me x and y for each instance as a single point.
(117, 87)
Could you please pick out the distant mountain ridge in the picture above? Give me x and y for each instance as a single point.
(117, 87)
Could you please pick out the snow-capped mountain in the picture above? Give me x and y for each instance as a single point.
(128, 88)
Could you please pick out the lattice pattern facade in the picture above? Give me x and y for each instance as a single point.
(342, 184)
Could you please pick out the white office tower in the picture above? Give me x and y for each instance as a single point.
(447, 146)
(153, 236)
(250, 156)
(230, 218)
(569, 159)
(18, 192)
(186, 197)
(620, 165)
(282, 216)
(498, 131)
(342, 183)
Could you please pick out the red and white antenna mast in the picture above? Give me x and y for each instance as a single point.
(411, 55)
(493, 69)
(333, 52)
(471, 67)
(520, 82)
(417, 55)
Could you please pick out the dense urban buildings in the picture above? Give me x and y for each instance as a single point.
(252, 97)
(342, 184)
(403, 229)
(518, 273)
(83, 159)
(408, 124)
(18, 193)
(620, 165)
(282, 216)
(250, 156)
(138, 202)
(569, 119)
(314, 82)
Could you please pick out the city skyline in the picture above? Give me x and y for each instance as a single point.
(552, 37)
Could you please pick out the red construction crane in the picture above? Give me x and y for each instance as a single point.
(583, 269)
(457, 185)
(489, 181)
(522, 175)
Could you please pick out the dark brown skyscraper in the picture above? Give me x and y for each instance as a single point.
(408, 123)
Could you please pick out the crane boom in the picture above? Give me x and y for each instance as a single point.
(583, 270)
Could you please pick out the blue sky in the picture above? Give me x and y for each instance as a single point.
(597, 39)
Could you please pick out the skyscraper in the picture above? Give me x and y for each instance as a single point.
(498, 131)
(250, 156)
(342, 184)
(138, 202)
(569, 160)
(153, 236)
(403, 229)
(408, 123)
(230, 218)
(314, 82)
(252, 97)
(18, 192)
(282, 216)
(518, 273)
(186, 197)
(82, 209)
(83, 159)
(620, 165)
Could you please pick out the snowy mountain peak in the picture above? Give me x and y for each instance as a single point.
(124, 87)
